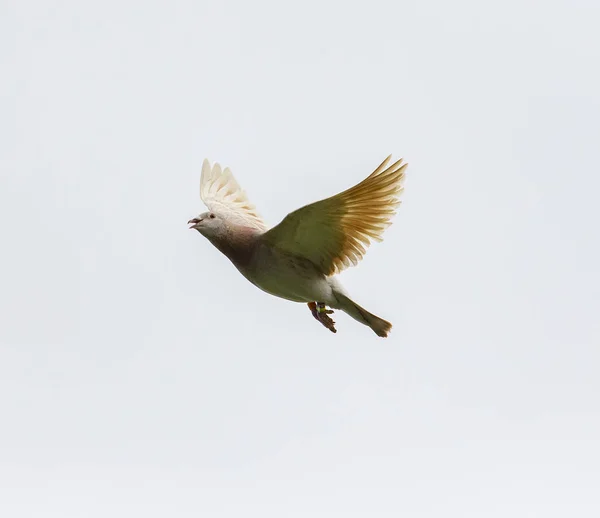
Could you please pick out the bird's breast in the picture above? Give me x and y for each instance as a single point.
(286, 276)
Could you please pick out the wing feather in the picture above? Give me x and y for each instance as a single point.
(221, 193)
(335, 233)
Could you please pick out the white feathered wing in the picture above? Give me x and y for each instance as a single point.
(221, 193)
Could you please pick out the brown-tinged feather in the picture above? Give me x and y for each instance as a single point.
(334, 233)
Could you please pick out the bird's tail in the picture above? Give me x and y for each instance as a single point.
(378, 325)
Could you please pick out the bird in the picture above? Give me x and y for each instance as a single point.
(299, 258)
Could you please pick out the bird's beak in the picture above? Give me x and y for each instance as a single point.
(194, 222)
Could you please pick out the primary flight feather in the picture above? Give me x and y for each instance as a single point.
(298, 259)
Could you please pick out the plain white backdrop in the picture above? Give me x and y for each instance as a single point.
(141, 375)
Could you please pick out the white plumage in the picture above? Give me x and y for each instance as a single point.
(220, 192)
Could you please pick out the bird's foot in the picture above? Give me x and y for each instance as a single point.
(321, 313)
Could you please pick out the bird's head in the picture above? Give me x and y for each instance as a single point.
(209, 224)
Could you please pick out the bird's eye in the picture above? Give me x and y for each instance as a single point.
(212, 216)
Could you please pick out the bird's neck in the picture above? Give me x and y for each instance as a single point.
(237, 244)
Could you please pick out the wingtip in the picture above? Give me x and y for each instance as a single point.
(382, 166)
(205, 167)
(204, 173)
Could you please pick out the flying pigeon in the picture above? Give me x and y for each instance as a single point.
(298, 259)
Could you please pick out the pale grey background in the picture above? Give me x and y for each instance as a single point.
(141, 375)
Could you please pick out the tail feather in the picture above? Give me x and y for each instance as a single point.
(378, 325)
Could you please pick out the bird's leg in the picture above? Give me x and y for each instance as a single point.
(321, 313)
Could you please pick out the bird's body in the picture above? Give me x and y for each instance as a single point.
(297, 259)
(284, 275)
(277, 273)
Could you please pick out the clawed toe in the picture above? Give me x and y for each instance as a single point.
(321, 313)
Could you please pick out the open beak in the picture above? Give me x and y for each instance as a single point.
(194, 222)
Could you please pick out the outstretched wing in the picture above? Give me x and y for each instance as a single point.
(221, 193)
(334, 233)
